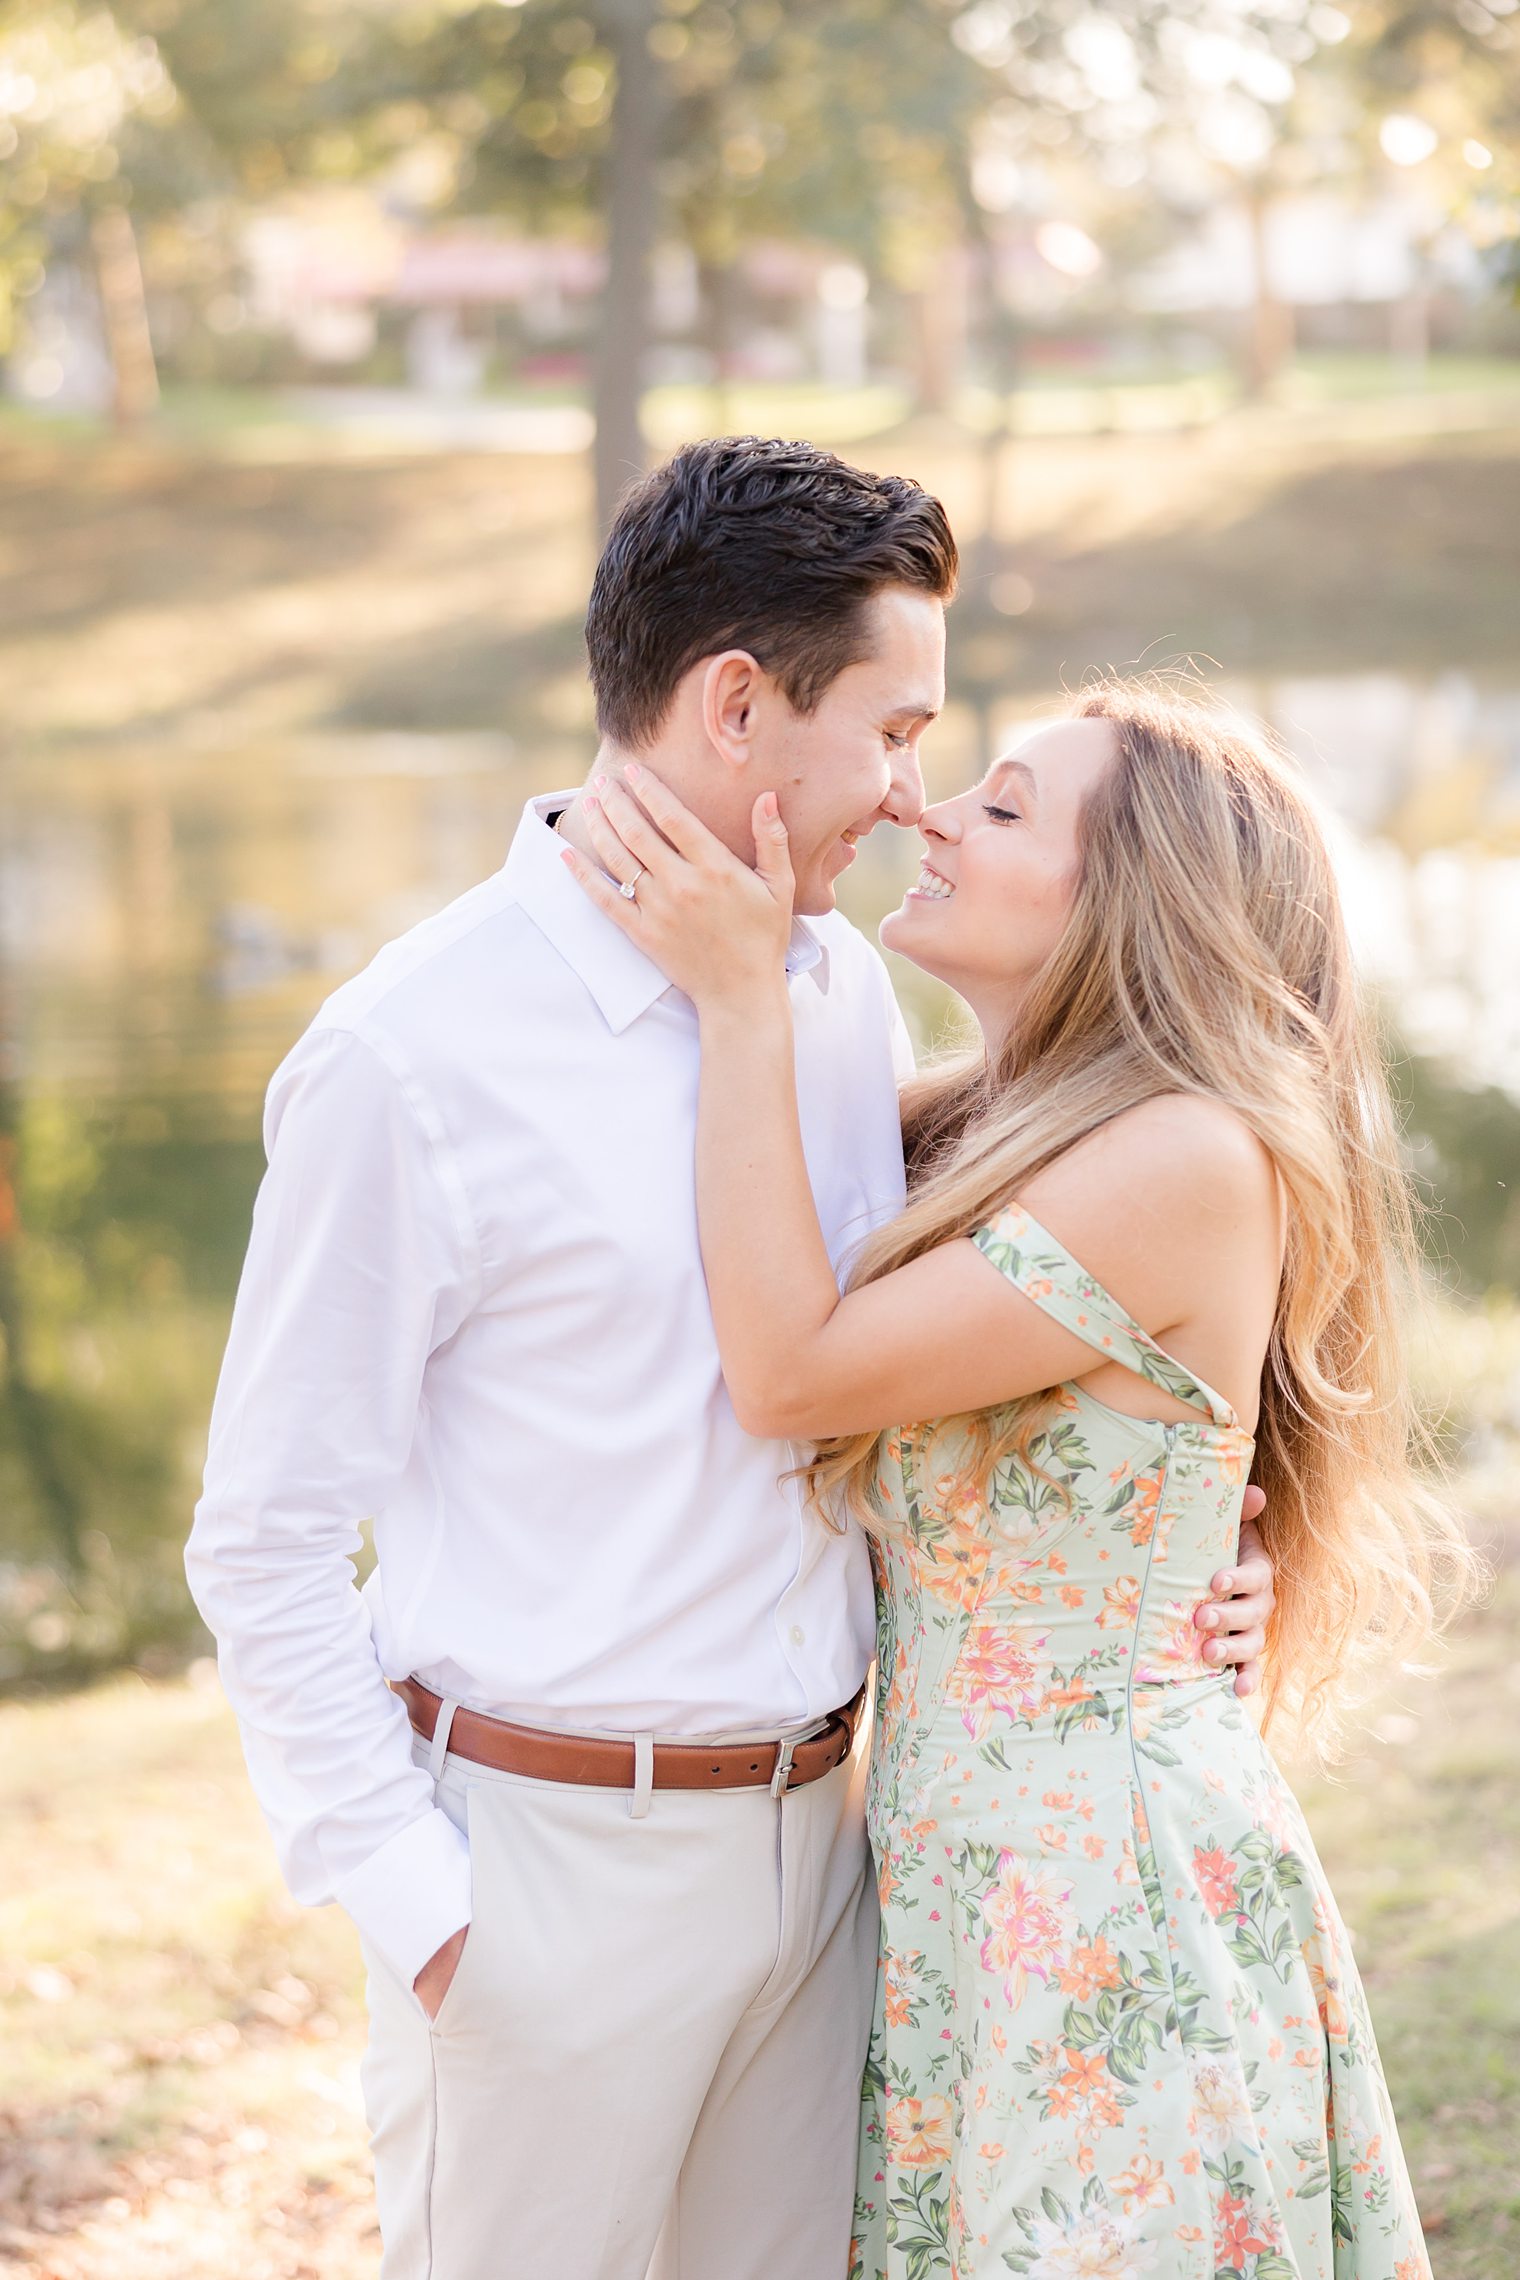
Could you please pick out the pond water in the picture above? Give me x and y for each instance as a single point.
(169, 919)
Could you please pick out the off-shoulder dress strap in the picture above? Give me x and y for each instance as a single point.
(1045, 1271)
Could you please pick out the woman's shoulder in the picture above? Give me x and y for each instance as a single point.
(1176, 1151)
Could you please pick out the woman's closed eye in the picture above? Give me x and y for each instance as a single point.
(1002, 814)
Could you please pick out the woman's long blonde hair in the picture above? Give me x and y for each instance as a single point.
(1206, 953)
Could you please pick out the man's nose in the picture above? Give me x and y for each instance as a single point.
(904, 803)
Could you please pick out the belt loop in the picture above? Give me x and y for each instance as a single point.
(643, 1776)
(441, 1732)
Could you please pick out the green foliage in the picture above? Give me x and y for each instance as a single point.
(111, 1305)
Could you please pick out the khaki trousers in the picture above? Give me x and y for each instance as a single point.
(648, 2064)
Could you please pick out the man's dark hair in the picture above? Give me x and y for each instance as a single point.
(741, 542)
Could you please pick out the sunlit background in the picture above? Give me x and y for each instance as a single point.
(328, 334)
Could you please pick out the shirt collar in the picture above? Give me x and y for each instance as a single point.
(623, 981)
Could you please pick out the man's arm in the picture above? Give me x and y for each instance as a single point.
(360, 1263)
(1241, 1603)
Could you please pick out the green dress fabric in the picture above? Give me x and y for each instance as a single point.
(1118, 2029)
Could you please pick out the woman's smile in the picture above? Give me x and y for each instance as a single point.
(930, 886)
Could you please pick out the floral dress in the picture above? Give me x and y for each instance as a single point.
(1118, 2029)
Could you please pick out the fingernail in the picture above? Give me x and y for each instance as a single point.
(1223, 1586)
(1214, 1651)
(1209, 1619)
(633, 770)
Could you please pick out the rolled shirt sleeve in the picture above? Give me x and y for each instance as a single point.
(361, 1263)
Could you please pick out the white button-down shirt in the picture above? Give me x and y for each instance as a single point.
(473, 1310)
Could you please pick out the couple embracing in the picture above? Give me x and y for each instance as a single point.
(691, 1353)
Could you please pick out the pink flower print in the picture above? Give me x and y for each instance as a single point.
(995, 1676)
(1178, 1652)
(1024, 1923)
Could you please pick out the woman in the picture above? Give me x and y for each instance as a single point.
(1153, 1232)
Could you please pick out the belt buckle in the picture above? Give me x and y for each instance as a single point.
(781, 1778)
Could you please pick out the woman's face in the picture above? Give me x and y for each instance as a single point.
(1000, 870)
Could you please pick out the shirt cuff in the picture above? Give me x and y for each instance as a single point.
(410, 1895)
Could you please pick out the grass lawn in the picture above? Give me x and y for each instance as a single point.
(179, 2043)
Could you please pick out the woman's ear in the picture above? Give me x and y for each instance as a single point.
(730, 688)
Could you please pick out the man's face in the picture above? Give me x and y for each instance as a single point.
(853, 763)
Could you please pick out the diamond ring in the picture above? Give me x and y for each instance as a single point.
(630, 887)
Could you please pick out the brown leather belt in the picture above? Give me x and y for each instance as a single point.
(559, 1756)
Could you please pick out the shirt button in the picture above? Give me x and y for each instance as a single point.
(798, 1635)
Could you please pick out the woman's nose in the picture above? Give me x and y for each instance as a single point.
(940, 821)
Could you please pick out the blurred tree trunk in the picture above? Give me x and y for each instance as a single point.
(939, 328)
(124, 307)
(633, 212)
(1269, 336)
(1001, 343)
(717, 285)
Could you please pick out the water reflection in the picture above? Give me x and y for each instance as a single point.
(173, 918)
(170, 918)
(1425, 784)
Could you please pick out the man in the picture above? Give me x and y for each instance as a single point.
(597, 1832)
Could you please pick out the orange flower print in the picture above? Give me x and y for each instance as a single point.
(901, 1987)
(1089, 2244)
(1221, 2102)
(1082, 2079)
(1138, 1513)
(1121, 1604)
(920, 2132)
(1090, 1967)
(1060, 1884)
(1233, 1459)
(1215, 1874)
(1143, 2185)
(1022, 1915)
(1320, 1954)
(1241, 2230)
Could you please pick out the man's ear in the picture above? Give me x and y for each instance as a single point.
(731, 685)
